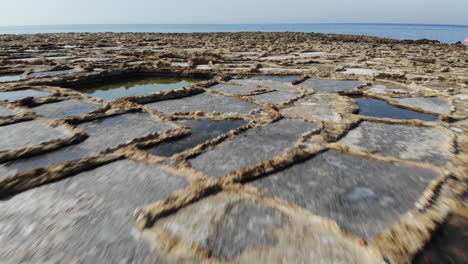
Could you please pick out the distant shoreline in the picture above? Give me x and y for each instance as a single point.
(443, 33)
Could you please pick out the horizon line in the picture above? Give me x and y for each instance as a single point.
(205, 24)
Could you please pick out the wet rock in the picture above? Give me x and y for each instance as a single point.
(5, 111)
(251, 147)
(364, 196)
(65, 109)
(202, 130)
(422, 144)
(319, 106)
(327, 85)
(85, 218)
(275, 97)
(432, 104)
(266, 84)
(206, 102)
(278, 78)
(243, 226)
(18, 95)
(235, 89)
(28, 134)
(103, 133)
(235, 229)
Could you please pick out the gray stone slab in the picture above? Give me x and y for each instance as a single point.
(232, 228)
(234, 89)
(52, 73)
(319, 106)
(422, 144)
(328, 85)
(18, 95)
(103, 134)
(275, 97)
(439, 105)
(251, 147)
(278, 78)
(267, 84)
(10, 78)
(28, 134)
(85, 218)
(206, 102)
(243, 226)
(364, 196)
(5, 111)
(65, 109)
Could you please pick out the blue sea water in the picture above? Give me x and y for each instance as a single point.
(443, 33)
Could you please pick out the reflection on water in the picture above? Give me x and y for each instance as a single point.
(201, 131)
(382, 109)
(138, 87)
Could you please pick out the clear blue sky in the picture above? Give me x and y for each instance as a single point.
(48, 12)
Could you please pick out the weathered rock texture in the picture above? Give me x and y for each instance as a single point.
(296, 148)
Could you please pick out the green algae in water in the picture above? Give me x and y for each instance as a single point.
(139, 87)
(202, 131)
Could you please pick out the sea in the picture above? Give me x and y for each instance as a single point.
(443, 33)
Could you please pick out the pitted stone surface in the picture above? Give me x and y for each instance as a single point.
(422, 144)
(279, 78)
(267, 84)
(28, 134)
(382, 89)
(103, 133)
(85, 218)
(206, 102)
(5, 111)
(18, 95)
(433, 104)
(318, 106)
(276, 97)
(52, 73)
(240, 231)
(328, 85)
(364, 196)
(65, 109)
(243, 226)
(251, 147)
(235, 89)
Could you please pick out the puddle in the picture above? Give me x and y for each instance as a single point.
(18, 95)
(279, 78)
(379, 108)
(141, 86)
(10, 78)
(202, 131)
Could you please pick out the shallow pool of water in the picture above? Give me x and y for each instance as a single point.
(138, 87)
(202, 131)
(382, 109)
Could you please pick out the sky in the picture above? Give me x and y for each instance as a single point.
(53, 12)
